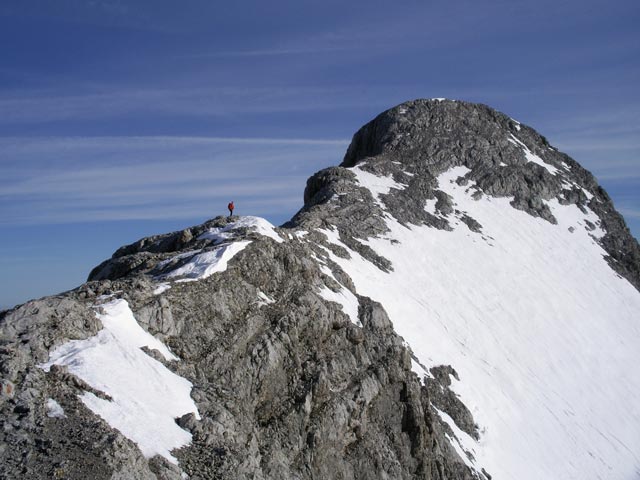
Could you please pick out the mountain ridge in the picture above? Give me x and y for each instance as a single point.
(290, 336)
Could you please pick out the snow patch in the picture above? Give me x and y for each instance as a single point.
(419, 370)
(146, 397)
(430, 206)
(567, 184)
(333, 236)
(205, 264)
(180, 256)
(255, 224)
(326, 270)
(54, 410)
(264, 299)
(461, 438)
(531, 157)
(376, 185)
(161, 288)
(347, 301)
(587, 193)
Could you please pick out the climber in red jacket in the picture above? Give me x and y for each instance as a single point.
(230, 207)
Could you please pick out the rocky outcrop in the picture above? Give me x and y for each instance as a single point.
(288, 389)
(287, 383)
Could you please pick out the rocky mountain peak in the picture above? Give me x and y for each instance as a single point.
(412, 130)
(424, 138)
(414, 143)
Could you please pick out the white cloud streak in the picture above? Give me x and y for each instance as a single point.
(269, 52)
(630, 212)
(67, 180)
(55, 105)
(32, 143)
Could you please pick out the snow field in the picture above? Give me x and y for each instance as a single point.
(146, 397)
(543, 333)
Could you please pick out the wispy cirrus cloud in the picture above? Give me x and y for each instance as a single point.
(606, 143)
(271, 52)
(630, 212)
(605, 140)
(68, 180)
(56, 104)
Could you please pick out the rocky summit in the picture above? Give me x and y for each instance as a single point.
(457, 300)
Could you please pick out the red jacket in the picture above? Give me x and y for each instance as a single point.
(230, 206)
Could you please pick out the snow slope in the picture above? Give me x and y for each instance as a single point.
(542, 332)
(205, 264)
(146, 397)
(256, 224)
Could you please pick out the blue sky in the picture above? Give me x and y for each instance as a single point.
(120, 119)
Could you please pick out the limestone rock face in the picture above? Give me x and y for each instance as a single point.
(285, 389)
(295, 372)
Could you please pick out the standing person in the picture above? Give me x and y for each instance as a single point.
(230, 207)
